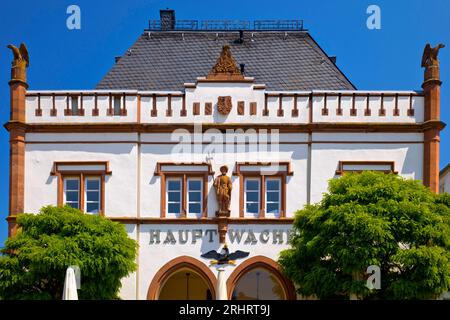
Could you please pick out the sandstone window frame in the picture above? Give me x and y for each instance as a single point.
(184, 171)
(81, 170)
(262, 171)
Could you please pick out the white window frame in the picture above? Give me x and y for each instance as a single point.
(251, 214)
(188, 213)
(99, 194)
(277, 214)
(71, 190)
(180, 180)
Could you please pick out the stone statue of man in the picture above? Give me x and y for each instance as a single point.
(223, 186)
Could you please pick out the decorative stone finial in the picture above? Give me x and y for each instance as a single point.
(225, 67)
(430, 62)
(20, 63)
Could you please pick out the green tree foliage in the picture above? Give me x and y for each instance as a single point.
(35, 260)
(372, 219)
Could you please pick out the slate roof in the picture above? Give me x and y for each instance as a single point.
(166, 60)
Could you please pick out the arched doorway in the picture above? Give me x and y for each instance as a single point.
(259, 278)
(183, 278)
(185, 284)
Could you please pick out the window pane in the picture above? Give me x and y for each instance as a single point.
(73, 204)
(92, 196)
(252, 207)
(273, 184)
(174, 185)
(272, 208)
(71, 184)
(71, 196)
(174, 208)
(252, 196)
(92, 184)
(252, 184)
(174, 196)
(194, 184)
(194, 208)
(92, 207)
(273, 196)
(194, 196)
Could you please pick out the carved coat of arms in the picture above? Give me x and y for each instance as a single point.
(224, 105)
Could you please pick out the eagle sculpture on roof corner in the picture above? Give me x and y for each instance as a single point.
(21, 58)
(430, 55)
(224, 257)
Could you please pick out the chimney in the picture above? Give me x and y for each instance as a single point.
(167, 19)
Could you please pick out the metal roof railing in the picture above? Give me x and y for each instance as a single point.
(179, 25)
(278, 25)
(221, 25)
(225, 25)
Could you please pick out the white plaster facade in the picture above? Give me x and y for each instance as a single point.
(133, 191)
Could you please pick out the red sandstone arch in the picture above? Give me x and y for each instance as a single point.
(262, 262)
(176, 264)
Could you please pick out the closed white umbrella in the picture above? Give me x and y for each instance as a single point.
(70, 285)
(221, 285)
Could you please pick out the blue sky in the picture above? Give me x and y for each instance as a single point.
(385, 59)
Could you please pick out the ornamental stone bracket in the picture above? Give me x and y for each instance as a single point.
(222, 224)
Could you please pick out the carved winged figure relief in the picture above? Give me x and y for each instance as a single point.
(430, 55)
(21, 58)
